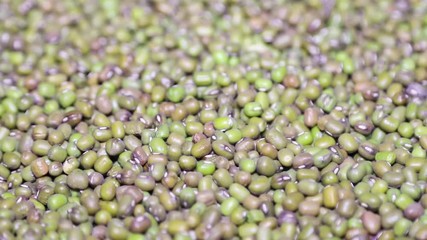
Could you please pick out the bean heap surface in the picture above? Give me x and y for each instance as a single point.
(226, 119)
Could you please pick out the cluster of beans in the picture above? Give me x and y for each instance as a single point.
(228, 119)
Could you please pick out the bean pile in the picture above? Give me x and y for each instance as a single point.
(225, 119)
